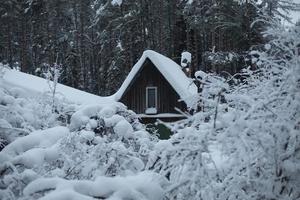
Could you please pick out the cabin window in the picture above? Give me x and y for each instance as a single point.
(151, 100)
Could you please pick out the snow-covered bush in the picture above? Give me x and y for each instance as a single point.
(192, 159)
(142, 186)
(2, 70)
(52, 74)
(104, 141)
(250, 149)
(21, 159)
(21, 113)
(112, 135)
(186, 161)
(263, 137)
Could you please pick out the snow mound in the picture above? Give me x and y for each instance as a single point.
(34, 148)
(87, 116)
(99, 119)
(200, 75)
(123, 128)
(43, 139)
(81, 117)
(145, 185)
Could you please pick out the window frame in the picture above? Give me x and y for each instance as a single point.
(155, 89)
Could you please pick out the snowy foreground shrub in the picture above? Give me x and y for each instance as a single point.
(22, 112)
(264, 136)
(103, 156)
(145, 185)
(248, 146)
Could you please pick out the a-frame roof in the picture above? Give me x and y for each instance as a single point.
(172, 72)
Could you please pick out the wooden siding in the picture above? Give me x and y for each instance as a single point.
(149, 76)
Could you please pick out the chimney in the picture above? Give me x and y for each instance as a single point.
(186, 58)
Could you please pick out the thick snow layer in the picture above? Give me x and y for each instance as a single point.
(186, 57)
(37, 84)
(36, 156)
(82, 117)
(124, 129)
(116, 2)
(183, 85)
(151, 111)
(145, 185)
(42, 138)
(161, 115)
(20, 112)
(200, 75)
(34, 148)
(4, 124)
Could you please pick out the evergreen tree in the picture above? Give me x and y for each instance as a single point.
(98, 41)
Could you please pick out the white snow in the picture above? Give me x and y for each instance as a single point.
(4, 124)
(116, 2)
(81, 118)
(124, 129)
(145, 185)
(112, 121)
(34, 148)
(200, 75)
(36, 156)
(268, 46)
(87, 136)
(190, 1)
(36, 139)
(108, 111)
(40, 85)
(183, 85)
(186, 58)
(151, 111)
(161, 115)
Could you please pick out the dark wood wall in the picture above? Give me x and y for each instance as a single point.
(135, 95)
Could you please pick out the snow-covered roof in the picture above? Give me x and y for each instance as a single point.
(40, 85)
(173, 73)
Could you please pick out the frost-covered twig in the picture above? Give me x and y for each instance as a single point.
(52, 75)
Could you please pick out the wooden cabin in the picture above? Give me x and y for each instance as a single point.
(155, 86)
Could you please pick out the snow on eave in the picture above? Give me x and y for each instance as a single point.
(172, 72)
(162, 115)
